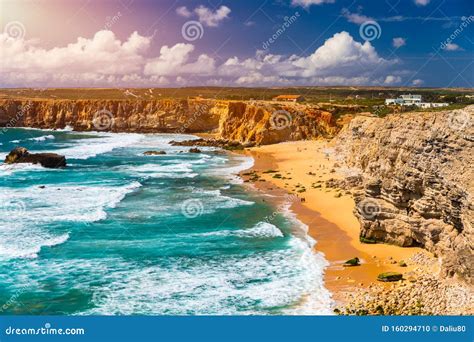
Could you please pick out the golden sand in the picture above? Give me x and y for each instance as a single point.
(330, 219)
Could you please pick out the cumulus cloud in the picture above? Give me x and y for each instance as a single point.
(104, 60)
(340, 58)
(452, 47)
(205, 15)
(341, 54)
(183, 12)
(355, 18)
(417, 82)
(90, 60)
(174, 61)
(399, 42)
(422, 2)
(390, 80)
(308, 3)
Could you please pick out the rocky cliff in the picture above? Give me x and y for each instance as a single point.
(261, 123)
(269, 124)
(110, 115)
(417, 182)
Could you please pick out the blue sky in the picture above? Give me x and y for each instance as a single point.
(244, 43)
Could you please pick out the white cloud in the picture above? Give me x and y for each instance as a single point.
(91, 60)
(417, 82)
(390, 79)
(399, 42)
(308, 3)
(355, 18)
(452, 47)
(174, 61)
(422, 2)
(205, 15)
(212, 19)
(341, 54)
(183, 12)
(339, 58)
(104, 60)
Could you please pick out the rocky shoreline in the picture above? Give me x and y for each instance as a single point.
(416, 284)
(230, 145)
(413, 182)
(420, 292)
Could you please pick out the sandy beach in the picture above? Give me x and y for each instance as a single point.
(304, 166)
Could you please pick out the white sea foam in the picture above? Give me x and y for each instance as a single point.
(42, 138)
(103, 143)
(224, 285)
(19, 241)
(8, 169)
(314, 263)
(213, 199)
(260, 230)
(62, 203)
(65, 129)
(241, 163)
(176, 170)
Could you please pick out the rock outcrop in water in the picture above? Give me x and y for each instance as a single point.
(417, 182)
(255, 122)
(21, 155)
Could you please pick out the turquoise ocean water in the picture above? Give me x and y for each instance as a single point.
(120, 233)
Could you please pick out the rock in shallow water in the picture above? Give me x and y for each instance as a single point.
(21, 155)
(154, 153)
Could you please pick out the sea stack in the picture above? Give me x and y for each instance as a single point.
(49, 160)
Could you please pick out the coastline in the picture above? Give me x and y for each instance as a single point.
(327, 212)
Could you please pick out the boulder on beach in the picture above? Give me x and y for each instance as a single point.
(49, 160)
(194, 150)
(352, 262)
(153, 153)
(389, 276)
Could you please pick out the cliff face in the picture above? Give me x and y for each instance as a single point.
(110, 115)
(265, 124)
(417, 182)
(241, 121)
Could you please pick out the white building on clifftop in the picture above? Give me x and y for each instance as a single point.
(414, 100)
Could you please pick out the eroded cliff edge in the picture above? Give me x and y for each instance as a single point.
(415, 180)
(257, 122)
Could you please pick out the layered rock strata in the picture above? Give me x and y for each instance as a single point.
(260, 123)
(417, 182)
